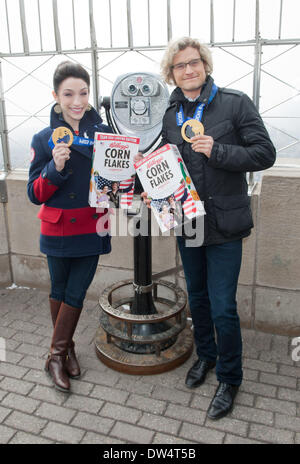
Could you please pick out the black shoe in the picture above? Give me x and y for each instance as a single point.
(222, 402)
(197, 373)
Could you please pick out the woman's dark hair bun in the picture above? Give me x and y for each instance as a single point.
(69, 69)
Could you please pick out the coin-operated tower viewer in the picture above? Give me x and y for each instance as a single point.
(147, 338)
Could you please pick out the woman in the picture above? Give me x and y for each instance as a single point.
(103, 198)
(167, 217)
(59, 180)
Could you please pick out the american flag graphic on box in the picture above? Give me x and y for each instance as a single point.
(113, 174)
(164, 177)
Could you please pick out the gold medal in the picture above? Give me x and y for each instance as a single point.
(62, 134)
(197, 128)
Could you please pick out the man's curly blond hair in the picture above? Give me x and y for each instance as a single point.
(176, 46)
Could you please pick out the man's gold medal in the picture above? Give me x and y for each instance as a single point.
(62, 135)
(197, 128)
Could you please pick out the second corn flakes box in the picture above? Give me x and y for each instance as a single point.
(165, 178)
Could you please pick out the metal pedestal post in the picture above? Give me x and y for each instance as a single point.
(145, 333)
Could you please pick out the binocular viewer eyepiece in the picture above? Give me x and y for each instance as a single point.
(136, 107)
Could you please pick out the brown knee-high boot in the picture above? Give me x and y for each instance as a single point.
(54, 309)
(64, 329)
(72, 365)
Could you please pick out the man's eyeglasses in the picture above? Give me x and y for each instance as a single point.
(182, 66)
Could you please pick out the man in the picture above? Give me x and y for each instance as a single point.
(113, 194)
(234, 142)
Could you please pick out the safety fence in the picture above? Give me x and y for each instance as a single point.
(255, 48)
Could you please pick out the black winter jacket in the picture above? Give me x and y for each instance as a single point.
(241, 144)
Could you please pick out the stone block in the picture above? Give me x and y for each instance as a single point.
(106, 276)
(26, 422)
(160, 424)
(5, 274)
(31, 271)
(121, 256)
(147, 404)
(23, 224)
(201, 434)
(249, 243)
(278, 263)
(271, 434)
(6, 433)
(277, 311)
(132, 433)
(63, 433)
(244, 304)
(163, 253)
(3, 232)
(118, 412)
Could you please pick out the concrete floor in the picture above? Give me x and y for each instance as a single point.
(108, 407)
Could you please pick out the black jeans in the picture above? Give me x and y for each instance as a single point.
(211, 274)
(71, 277)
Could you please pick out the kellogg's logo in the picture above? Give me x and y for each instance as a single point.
(118, 145)
(154, 161)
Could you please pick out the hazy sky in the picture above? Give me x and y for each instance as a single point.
(200, 21)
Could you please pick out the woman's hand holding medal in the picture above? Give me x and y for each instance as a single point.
(202, 144)
(61, 153)
(62, 138)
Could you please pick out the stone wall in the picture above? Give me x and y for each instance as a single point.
(5, 268)
(269, 284)
(277, 276)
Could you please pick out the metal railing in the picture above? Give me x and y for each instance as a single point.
(96, 50)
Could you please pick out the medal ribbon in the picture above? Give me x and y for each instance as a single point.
(180, 118)
(76, 141)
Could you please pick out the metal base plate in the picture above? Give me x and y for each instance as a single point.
(144, 364)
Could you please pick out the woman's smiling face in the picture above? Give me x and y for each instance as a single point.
(73, 97)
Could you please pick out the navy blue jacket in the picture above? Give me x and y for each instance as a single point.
(69, 226)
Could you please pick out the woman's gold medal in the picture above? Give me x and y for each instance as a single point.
(62, 135)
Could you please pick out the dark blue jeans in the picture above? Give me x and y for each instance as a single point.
(211, 274)
(71, 277)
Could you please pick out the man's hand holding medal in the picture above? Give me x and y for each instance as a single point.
(200, 143)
